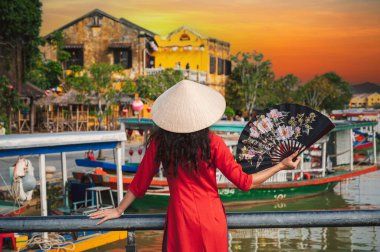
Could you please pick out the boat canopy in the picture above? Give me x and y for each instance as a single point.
(238, 126)
(27, 144)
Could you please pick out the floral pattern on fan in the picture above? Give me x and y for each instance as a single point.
(275, 135)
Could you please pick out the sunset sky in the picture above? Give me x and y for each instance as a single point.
(306, 38)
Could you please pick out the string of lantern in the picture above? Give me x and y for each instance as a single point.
(154, 47)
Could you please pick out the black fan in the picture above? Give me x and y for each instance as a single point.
(278, 132)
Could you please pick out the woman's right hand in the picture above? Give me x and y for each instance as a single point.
(291, 162)
(105, 214)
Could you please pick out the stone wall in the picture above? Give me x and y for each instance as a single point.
(96, 42)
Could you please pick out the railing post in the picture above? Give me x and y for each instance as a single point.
(131, 242)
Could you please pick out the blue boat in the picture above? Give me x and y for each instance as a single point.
(130, 167)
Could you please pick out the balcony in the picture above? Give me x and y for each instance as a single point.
(197, 76)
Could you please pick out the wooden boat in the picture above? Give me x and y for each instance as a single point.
(80, 241)
(10, 208)
(41, 144)
(264, 193)
(310, 180)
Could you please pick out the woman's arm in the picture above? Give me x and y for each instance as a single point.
(140, 183)
(285, 164)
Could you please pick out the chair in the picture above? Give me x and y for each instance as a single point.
(8, 235)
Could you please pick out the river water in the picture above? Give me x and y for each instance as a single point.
(358, 193)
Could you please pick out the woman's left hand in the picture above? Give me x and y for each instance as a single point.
(105, 215)
(291, 162)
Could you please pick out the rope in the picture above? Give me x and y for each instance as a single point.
(54, 241)
(341, 153)
(10, 192)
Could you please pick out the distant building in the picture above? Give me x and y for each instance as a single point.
(202, 59)
(364, 100)
(98, 37)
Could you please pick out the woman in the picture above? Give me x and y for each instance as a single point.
(190, 154)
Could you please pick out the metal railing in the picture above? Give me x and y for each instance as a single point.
(133, 222)
(156, 221)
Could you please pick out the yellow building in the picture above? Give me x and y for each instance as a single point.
(202, 59)
(364, 100)
(373, 99)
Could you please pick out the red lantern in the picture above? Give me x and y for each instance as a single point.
(149, 109)
(140, 151)
(137, 105)
(130, 152)
(130, 132)
(10, 87)
(125, 112)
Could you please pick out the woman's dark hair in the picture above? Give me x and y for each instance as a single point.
(181, 149)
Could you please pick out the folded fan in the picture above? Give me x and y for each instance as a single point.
(278, 132)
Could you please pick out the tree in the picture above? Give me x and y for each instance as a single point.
(9, 100)
(152, 86)
(342, 94)
(19, 33)
(315, 92)
(251, 76)
(282, 90)
(98, 85)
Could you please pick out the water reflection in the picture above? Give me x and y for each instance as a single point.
(358, 193)
(309, 239)
(328, 200)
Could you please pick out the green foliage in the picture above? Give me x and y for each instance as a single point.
(152, 86)
(9, 100)
(325, 92)
(96, 84)
(229, 112)
(20, 25)
(342, 93)
(282, 90)
(249, 81)
(56, 40)
(46, 74)
(315, 92)
(9, 97)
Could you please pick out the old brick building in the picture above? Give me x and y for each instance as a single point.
(98, 37)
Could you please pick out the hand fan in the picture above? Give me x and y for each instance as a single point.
(278, 132)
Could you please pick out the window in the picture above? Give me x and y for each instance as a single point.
(76, 57)
(184, 37)
(212, 64)
(150, 61)
(220, 66)
(96, 21)
(228, 67)
(123, 56)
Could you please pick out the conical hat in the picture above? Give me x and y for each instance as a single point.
(188, 107)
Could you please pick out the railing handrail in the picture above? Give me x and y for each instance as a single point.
(131, 222)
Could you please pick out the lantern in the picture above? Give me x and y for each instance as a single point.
(137, 105)
(125, 112)
(149, 109)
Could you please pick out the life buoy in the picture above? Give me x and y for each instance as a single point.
(306, 176)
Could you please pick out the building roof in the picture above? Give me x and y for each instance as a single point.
(360, 96)
(30, 90)
(97, 12)
(185, 28)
